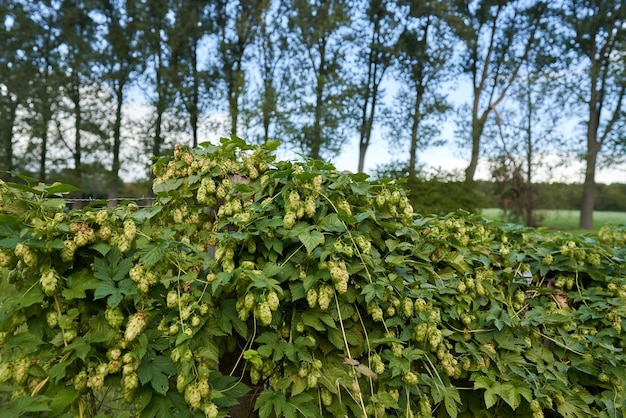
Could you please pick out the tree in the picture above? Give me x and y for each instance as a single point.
(497, 36)
(14, 68)
(424, 52)
(597, 43)
(235, 24)
(156, 39)
(43, 54)
(190, 27)
(77, 31)
(268, 64)
(121, 64)
(380, 34)
(322, 92)
(528, 132)
(529, 125)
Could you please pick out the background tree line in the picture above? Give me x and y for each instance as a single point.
(91, 86)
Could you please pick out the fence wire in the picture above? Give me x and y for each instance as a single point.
(106, 201)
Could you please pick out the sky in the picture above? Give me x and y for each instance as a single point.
(447, 158)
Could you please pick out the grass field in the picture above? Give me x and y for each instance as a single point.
(564, 219)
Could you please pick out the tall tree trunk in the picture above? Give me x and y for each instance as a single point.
(316, 140)
(589, 189)
(369, 112)
(46, 117)
(470, 171)
(193, 111)
(266, 108)
(528, 201)
(416, 116)
(78, 170)
(6, 136)
(117, 142)
(593, 148)
(233, 107)
(365, 133)
(160, 105)
(234, 86)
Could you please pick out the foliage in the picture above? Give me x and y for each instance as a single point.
(318, 291)
(563, 220)
(444, 192)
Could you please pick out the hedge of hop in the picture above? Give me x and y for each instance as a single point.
(256, 287)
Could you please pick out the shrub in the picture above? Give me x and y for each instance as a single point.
(292, 290)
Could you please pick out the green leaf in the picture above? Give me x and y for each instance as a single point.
(511, 392)
(22, 344)
(78, 283)
(332, 223)
(336, 337)
(311, 239)
(33, 296)
(62, 397)
(228, 318)
(491, 396)
(153, 251)
(372, 291)
(23, 405)
(364, 215)
(61, 189)
(112, 266)
(574, 407)
(311, 319)
(156, 371)
(299, 405)
(360, 188)
(108, 289)
(265, 402)
(57, 371)
(451, 400)
(80, 347)
(298, 385)
(168, 185)
(226, 390)
(56, 244)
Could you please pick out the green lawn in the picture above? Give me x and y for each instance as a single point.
(564, 219)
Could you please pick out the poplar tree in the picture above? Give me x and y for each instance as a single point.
(14, 70)
(422, 65)
(380, 34)
(596, 39)
(266, 111)
(235, 28)
(155, 43)
(189, 80)
(121, 61)
(497, 37)
(45, 87)
(77, 32)
(323, 106)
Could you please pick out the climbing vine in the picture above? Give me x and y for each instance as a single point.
(275, 288)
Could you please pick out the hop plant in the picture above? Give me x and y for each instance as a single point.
(135, 326)
(69, 248)
(325, 296)
(272, 301)
(311, 297)
(264, 313)
(20, 370)
(49, 281)
(114, 316)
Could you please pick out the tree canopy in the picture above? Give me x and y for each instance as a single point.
(121, 81)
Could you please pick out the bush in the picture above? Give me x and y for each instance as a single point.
(437, 193)
(292, 290)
